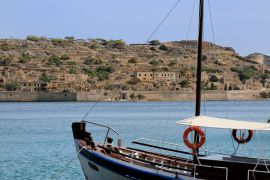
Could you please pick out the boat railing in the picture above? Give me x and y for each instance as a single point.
(210, 167)
(137, 141)
(104, 126)
(253, 171)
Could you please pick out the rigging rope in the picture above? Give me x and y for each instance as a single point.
(211, 19)
(163, 20)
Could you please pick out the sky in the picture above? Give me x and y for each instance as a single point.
(241, 24)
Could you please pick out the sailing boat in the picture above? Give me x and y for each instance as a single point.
(106, 161)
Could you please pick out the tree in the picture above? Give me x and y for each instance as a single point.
(132, 96)
(4, 61)
(32, 38)
(70, 38)
(119, 44)
(12, 86)
(141, 96)
(213, 78)
(132, 60)
(64, 57)
(45, 78)
(184, 83)
(213, 87)
(54, 60)
(154, 42)
(134, 81)
(163, 47)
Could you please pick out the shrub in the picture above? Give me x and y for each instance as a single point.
(25, 57)
(72, 70)
(165, 69)
(12, 86)
(140, 96)
(213, 87)
(132, 96)
(87, 61)
(213, 78)
(204, 57)
(184, 83)
(54, 60)
(64, 57)
(46, 78)
(132, 60)
(104, 69)
(212, 70)
(119, 44)
(71, 63)
(163, 47)
(153, 49)
(58, 42)
(172, 63)
(155, 42)
(6, 47)
(244, 73)
(89, 72)
(4, 61)
(134, 81)
(32, 38)
(154, 62)
(264, 95)
(70, 38)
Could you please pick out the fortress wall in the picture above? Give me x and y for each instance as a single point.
(36, 97)
(115, 96)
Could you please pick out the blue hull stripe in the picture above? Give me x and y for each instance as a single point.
(122, 169)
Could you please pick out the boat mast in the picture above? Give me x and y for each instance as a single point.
(199, 69)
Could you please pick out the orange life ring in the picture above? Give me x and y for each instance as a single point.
(201, 134)
(242, 140)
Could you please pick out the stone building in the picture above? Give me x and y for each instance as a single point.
(152, 76)
(31, 86)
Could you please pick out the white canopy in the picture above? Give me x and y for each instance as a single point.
(211, 122)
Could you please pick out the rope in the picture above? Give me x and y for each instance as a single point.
(91, 108)
(163, 20)
(212, 26)
(64, 168)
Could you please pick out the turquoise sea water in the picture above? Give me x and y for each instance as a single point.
(36, 138)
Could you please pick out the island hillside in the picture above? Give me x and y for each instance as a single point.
(114, 70)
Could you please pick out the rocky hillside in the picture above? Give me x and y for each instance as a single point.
(41, 64)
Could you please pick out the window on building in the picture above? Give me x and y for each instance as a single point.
(140, 75)
(144, 74)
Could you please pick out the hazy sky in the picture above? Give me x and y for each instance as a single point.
(241, 24)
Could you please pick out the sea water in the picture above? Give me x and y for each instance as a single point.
(36, 139)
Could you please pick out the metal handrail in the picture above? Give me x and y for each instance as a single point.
(173, 144)
(253, 170)
(101, 125)
(217, 167)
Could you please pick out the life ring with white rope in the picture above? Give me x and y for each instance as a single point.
(242, 140)
(200, 133)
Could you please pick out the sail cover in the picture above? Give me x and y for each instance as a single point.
(211, 122)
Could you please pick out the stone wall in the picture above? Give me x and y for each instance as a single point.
(125, 96)
(36, 97)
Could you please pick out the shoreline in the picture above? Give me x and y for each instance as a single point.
(144, 96)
